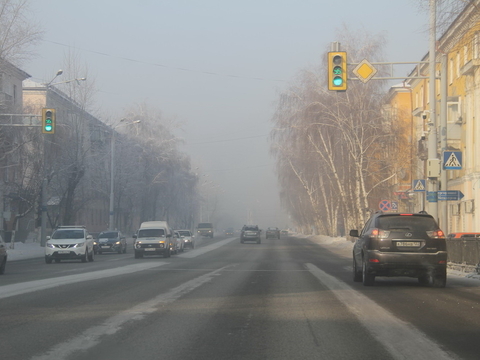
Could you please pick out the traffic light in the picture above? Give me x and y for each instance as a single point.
(337, 70)
(48, 121)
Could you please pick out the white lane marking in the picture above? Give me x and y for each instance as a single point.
(31, 286)
(204, 249)
(90, 337)
(401, 339)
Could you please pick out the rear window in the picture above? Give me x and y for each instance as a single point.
(184, 233)
(410, 223)
(151, 233)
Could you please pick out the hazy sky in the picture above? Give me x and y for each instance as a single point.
(217, 66)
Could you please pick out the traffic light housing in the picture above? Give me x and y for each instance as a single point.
(337, 70)
(48, 121)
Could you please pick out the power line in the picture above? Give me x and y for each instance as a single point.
(163, 65)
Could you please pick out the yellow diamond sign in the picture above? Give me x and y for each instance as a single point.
(365, 71)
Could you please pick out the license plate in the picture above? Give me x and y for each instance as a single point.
(408, 243)
(105, 247)
(150, 249)
(64, 252)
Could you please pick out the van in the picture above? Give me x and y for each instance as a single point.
(154, 238)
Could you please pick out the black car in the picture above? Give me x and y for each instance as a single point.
(250, 233)
(394, 244)
(111, 241)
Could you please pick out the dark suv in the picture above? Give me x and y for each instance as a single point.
(393, 244)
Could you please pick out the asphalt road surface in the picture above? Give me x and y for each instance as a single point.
(281, 299)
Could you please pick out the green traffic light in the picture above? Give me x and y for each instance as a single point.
(337, 81)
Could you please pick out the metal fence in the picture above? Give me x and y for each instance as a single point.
(464, 252)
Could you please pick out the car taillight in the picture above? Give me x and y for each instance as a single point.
(436, 234)
(380, 234)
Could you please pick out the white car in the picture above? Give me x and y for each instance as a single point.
(69, 243)
(188, 238)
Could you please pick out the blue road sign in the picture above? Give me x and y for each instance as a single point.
(450, 195)
(419, 185)
(432, 196)
(394, 205)
(385, 205)
(452, 160)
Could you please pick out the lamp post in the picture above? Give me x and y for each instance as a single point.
(112, 171)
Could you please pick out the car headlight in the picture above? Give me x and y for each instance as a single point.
(117, 243)
(50, 245)
(79, 245)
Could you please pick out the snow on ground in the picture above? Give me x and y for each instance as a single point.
(27, 250)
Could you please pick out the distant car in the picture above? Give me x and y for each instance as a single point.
(284, 232)
(229, 232)
(250, 233)
(69, 243)
(188, 238)
(272, 232)
(111, 241)
(394, 244)
(205, 229)
(3, 256)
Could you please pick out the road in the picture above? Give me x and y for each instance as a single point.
(281, 299)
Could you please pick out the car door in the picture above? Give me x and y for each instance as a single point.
(360, 242)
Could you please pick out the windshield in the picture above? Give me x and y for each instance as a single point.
(205, 225)
(108, 235)
(151, 233)
(68, 234)
(184, 233)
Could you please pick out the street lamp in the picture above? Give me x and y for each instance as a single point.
(112, 169)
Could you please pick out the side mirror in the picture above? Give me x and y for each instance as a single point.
(354, 233)
(134, 236)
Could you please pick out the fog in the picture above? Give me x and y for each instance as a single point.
(216, 67)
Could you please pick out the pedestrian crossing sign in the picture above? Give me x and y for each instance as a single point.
(419, 185)
(452, 160)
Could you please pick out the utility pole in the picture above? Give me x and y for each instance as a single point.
(433, 163)
(443, 208)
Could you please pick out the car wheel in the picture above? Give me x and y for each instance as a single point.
(85, 256)
(58, 260)
(2, 267)
(259, 241)
(119, 251)
(138, 255)
(48, 260)
(357, 275)
(125, 248)
(368, 279)
(440, 279)
(91, 256)
(166, 253)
